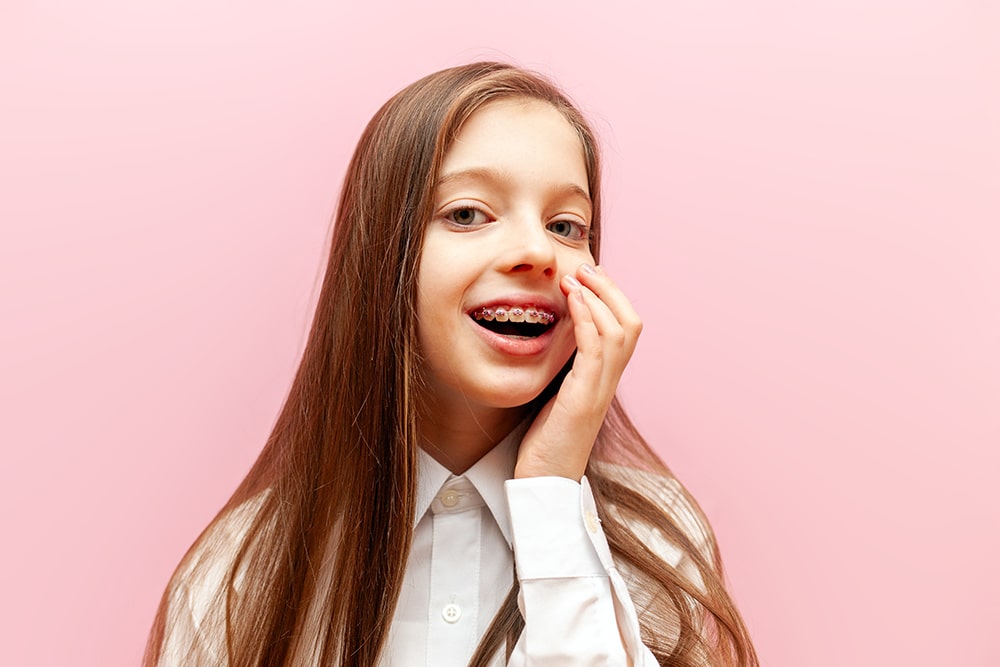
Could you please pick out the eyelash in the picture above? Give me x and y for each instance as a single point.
(582, 230)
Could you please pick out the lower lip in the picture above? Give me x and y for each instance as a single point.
(519, 347)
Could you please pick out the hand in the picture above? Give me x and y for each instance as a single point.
(559, 441)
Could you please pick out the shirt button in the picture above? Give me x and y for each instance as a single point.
(590, 520)
(452, 613)
(449, 499)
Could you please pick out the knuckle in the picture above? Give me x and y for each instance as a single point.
(632, 324)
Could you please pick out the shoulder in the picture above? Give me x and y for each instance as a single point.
(195, 621)
(677, 531)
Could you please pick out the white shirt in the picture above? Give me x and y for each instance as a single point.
(469, 531)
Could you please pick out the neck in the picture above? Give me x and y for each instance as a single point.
(459, 436)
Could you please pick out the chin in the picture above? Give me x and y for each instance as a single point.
(517, 392)
(501, 399)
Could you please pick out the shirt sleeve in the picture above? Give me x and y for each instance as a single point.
(185, 642)
(195, 625)
(576, 607)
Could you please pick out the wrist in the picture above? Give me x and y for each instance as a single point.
(531, 467)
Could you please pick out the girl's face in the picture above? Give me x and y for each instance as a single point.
(512, 214)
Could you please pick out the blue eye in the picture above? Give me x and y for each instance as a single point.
(466, 216)
(569, 229)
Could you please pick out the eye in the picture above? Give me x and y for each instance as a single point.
(570, 229)
(466, 216)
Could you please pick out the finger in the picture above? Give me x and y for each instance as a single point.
(589, 387)
(617, 322)
(616, 345)
(608, 326)
(603, 350)
(597, 280)
(603, 318)
(588, 338)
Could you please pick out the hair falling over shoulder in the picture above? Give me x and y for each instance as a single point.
(305, 562)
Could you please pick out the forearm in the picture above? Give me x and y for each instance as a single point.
(576, 608)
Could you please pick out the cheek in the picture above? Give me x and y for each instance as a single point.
(438, 302)
(433, 289)
(438, 270)
(571, 260)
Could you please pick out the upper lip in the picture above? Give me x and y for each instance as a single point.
(535, 300)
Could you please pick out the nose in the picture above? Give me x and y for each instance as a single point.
(530, 249)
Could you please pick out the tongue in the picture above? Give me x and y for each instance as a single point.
(516, 329)
(506, 328)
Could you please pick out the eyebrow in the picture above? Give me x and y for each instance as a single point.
(489, 174)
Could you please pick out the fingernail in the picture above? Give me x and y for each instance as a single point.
(573, 282)
(587, 268)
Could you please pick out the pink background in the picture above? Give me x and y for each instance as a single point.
(802, 201)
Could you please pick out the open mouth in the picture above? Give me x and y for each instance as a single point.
(514, 321)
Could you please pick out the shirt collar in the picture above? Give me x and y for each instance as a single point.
(488, 475)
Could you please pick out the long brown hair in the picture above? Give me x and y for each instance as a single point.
(321, 553)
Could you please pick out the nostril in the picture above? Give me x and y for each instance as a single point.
(548, 271)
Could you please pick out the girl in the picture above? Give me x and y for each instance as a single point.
(451, 480)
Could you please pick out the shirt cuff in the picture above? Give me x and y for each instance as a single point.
(555, 530)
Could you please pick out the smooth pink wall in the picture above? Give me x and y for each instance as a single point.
(802, 202)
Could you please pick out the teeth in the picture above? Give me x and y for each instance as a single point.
(514, 314)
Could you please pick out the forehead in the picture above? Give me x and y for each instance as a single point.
(526, 138)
